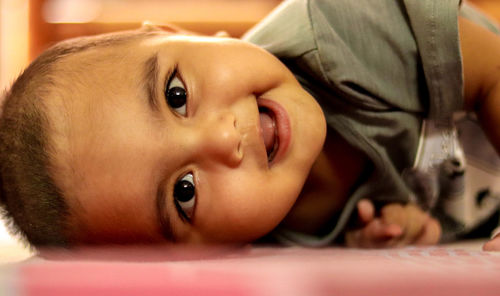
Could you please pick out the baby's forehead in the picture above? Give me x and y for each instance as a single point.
(95, 50)
(83, 121)
(100, 73)
(85, 84)
(101, 57)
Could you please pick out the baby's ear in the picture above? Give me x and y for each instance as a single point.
(148, 26)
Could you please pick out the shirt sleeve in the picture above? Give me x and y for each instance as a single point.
(435, 24)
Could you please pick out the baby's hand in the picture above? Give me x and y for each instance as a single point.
(398, 225)
(494, 243)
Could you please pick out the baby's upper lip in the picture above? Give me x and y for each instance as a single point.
(252, 143)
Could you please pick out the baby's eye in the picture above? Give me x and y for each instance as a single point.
(176, 95)
(185, 196)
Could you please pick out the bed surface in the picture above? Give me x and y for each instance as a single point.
(446, 270)
(456, 269)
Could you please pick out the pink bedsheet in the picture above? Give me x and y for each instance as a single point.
(256, 271)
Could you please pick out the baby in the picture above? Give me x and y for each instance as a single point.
(161, 136)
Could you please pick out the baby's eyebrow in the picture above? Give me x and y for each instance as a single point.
(150, 78)
(150, 83)
(166, 227)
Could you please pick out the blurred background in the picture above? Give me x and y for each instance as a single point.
(27, 27)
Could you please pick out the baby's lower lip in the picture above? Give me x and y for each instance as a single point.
(283, 127)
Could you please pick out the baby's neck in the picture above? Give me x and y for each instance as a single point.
(327, 188)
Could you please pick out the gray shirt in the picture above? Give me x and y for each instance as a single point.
(388, 74)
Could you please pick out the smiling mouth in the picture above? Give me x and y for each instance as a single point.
(269, 132)
(275, 130)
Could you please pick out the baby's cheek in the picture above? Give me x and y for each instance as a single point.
(243, 205)
(242, 220)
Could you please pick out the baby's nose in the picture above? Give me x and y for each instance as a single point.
(220, 140)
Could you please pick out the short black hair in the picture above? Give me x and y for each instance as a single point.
(32, 203)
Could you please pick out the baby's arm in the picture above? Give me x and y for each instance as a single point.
(397, 225)
(481, 62)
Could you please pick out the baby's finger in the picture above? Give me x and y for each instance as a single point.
(493, 244)
(394, 214)
(415, 225)
(374, 235)
(430, 234)
(366, 211)
(362, 237)
(392, 230)
(384, 235)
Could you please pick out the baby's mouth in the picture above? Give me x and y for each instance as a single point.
(269, 132)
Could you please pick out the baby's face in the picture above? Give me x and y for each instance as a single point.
(184, 139)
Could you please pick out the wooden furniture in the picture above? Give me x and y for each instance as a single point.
(55, 20)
